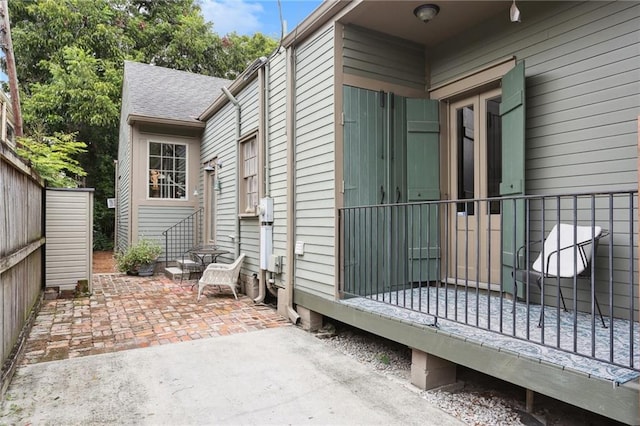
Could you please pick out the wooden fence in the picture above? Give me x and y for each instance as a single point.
(21, 254)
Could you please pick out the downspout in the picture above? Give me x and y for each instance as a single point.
(235, 103)
(291, 81)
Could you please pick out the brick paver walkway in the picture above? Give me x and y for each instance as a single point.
(127, 312)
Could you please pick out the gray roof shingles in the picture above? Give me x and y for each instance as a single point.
(166, 93)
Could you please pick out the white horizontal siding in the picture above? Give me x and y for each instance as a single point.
(69, 228)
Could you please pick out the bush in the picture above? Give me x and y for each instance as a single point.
(144, 252)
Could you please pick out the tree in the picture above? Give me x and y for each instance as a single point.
(53, 157)
(70, 57)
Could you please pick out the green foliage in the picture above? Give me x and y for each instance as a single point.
(239, 51)
(384, 358)
(70, 58)
(53, 158)
(142, 253)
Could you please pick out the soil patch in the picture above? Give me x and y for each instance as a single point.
(103, 262)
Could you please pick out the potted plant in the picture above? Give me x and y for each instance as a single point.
(140, 258)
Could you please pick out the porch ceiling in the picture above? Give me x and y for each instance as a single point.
(396, 18)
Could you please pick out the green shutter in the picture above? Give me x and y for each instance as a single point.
(512, 111)
(364, 168)
(423, 184)
(365, 176)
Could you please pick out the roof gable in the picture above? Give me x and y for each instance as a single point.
(166, 93)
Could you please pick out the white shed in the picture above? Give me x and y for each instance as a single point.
(69, 237)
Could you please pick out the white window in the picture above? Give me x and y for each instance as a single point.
(167, 170)
(249, 170)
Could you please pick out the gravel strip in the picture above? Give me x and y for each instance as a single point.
(476, 399)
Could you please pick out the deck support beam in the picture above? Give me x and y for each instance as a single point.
(429, 371)
(529, 401)
(309, 320)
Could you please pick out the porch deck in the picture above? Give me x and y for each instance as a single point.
(496, 324)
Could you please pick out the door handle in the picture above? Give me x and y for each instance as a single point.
(398, 195)
(381, 194)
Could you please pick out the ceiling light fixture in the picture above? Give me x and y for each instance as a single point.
(426, 12)
(514, 12)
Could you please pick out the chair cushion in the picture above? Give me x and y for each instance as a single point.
(571, 260)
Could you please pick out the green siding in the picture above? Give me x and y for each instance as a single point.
(583, 98)
(219, 141)
(314, 166)
(277, 161)
(153, 220)
(381, 57)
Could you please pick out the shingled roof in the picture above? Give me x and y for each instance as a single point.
(159, 92)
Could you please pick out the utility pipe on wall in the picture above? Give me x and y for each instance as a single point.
(291, 146)
(235, 103)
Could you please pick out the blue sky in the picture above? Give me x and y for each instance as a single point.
(247, 17)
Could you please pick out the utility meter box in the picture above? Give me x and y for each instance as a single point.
(265, 209)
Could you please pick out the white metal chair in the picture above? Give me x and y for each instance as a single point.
(563, 255)
(221, 274)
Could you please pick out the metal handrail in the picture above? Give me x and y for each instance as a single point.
(183, 236)
(423, 257)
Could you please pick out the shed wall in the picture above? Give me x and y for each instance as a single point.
(69, 225)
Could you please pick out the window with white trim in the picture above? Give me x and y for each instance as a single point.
(167, 170)
(249, 170)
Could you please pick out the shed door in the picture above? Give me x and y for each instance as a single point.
(512, 111)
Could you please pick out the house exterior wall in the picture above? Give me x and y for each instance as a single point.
(123, 180)
(249, 229)
(314, 164)
(582, 90)
(170, 211)
(582, 66)
(219, 141)
(277, 160)
(69, 230)
(379, 57)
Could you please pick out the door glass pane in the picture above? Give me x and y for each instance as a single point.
(466, 182)
(494, 152)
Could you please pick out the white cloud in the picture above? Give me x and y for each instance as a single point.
(233, 15)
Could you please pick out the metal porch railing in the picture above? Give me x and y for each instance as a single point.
(183, 236)
(456, 260)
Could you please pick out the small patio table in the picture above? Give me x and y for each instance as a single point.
(211, 252)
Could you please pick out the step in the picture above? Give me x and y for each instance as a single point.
(187, 263)
(174, 272)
